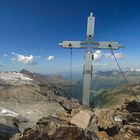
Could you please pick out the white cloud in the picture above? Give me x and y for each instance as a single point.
(30, 60)
(99, 54)
(14, 53)
(50, 58)
(5, 55)
(138, 70)
(119, 55)
(135, 69)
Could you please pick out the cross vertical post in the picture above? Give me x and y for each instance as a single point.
(87, 71)
(89, 43)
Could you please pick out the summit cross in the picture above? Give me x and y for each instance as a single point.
(89, 45)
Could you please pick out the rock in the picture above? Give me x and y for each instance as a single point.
(132, 106)
(8, 127)
(58, 130)
(105, 119)
(93, 124)
(134, 128)
(102, 135)
(66, 105)
(75, 111)
(119, 122)
(133, 109)
(51, 128)
(26, 72)
(31, 134)
(51, 124)
(82, 118)
(69, 105)
(106, 122)
(64, 116)
(73, 133)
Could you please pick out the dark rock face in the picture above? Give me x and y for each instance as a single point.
(71, 133)
(26, 72)
(132, 106)
(8, 127)
(31, 134)
(133, 117)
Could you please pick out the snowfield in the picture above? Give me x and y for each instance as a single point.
(15, 77)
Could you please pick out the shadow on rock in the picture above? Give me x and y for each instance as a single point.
(7, 132)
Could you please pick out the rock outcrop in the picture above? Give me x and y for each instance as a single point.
(87, 124)
(51, 128)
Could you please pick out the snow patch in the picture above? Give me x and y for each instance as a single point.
(6, 112)
(14, 76)
(117, 119)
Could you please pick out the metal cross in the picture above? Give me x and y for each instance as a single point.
(88, 68)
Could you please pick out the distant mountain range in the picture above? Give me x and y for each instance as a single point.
(106, 84)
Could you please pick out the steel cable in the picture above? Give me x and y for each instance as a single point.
(127, 82)
(71, 69)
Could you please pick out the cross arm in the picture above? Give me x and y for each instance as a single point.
(71, 44)
(108, 45)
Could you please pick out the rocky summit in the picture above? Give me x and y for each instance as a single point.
(32, 108)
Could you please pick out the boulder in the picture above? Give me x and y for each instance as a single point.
(102, 135)
(82, 118)
(51, 128)
(105, 119)
(69, 105)
(106, 122)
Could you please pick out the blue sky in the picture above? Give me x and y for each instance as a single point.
(31, 30)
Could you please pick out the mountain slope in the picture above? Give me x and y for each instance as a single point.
(31, 97)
